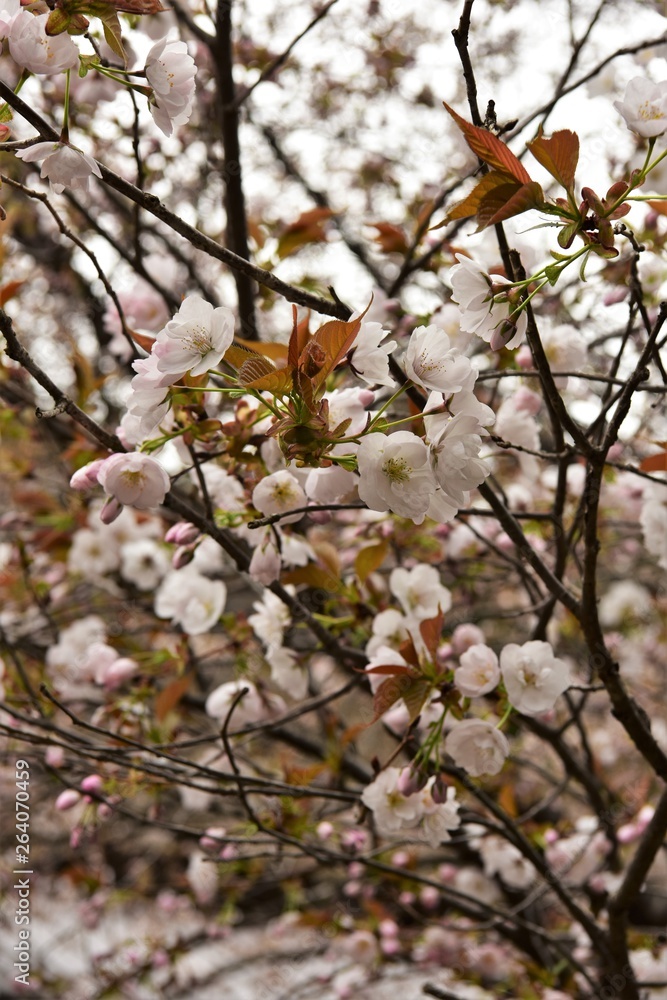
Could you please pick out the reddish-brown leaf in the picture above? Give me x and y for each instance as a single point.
(391, 238)
(431, 630)
(308, 228)
(9, 290)
(298, 339)
(658, 206)
(470, 205)
(490, 149)
(502, 203)
(335, 338)
(170, 696)
(654, 463)
(270, 349)
(416, 695)
(559, 155)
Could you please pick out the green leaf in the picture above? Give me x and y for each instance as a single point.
(6, 114)
(552, 272)
(87, 63)
(559, 155)
(490, 149)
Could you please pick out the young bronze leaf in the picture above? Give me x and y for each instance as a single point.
(268, 348)
(654, 463)
(370, 559)
(387, 695)
(415, 695)
(237, 354)
(298, 339)
(490, 149)
(335, 338)
(470, 205)
(522, 199)
(308, 228)
(431, 630)
(260, 373)
(170, 696)
(559, 155)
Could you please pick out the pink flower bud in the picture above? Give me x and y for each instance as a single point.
(111, 510)
(91, 783)
(429, 897)
(86, 477)
(118, 672)
(527, 401)
(390, 946)
(182, 556)
(324, 830)
(388, 928)
(524, 357)
(67, 799)
(54, 756)
(439, 790)
(410, 781)
(182, 533)
(104, 810)
(401, 859)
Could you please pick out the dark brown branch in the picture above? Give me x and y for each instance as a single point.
(222, 51)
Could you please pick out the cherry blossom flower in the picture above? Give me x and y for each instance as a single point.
(395, 474)
(389, 627)
(250, 708)
(477, 746)
(265, 564)
(368, 359)
(32, 48)
(478, 672)
(533, 677)
(393, 812)
(438, 818)
(484, 310)
(195, 339)
(192, 601)
(143, 563)
(63, 166)
(419, 591)
(170, 71)
(279, 493)
(455, 456)
(644, 107)
(8, 11)
(286, 673)
(653, 519)
(432, 363)
(134, 479)
(504, 859)
(271, 618)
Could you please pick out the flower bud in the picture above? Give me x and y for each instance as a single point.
(410, 781)
(182, 533)
(91, 783)
(111, 510)
(67, 799)
(86, 477)
(183, 555)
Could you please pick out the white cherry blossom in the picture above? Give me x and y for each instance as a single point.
(395, 474)
(419, 591)
(432, 363)
(455, 456)
(190, 600)
(8, 11)
(369, 358)
(482, 311)
(478, 672)
(171, 70)
(195, 339)
(477, 746)
(250, 708)
(644, 107)
(42, 54)
(279, 493)
(533, 677)
(63, 166)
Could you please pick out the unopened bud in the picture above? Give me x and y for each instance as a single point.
(86, 477)
(182, 533)
(111, 510)
(91, 783)
(410, 781)
(439, 790)
(67, 799)
(183, 555)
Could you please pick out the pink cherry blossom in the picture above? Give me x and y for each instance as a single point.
(134, 479)
(644, 107)
(32, 48)
(533, 677)
(195, 339)
(63, 166)
(477, 746)
(171, 70)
